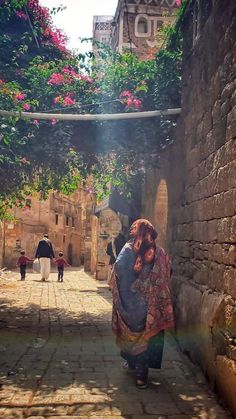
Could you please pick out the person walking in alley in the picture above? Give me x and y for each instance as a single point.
(61, 263)
(45, 253)
(142, 306)
(22, 263)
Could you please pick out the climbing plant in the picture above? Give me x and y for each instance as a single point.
(38, 73)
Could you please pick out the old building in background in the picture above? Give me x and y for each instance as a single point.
(102, 29)
(138, 24)
(60, 216)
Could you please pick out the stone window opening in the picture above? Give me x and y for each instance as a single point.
(56, 219)
(142, 26)
(28, 202)
(67, 221)
(72, 222)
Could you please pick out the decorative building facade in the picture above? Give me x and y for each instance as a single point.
(102, 29)
(137, 25)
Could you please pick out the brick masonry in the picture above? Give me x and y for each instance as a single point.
(200, 172)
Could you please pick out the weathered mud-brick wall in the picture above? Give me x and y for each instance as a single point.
(200, 172)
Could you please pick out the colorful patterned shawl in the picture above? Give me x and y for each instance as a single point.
(142, 305)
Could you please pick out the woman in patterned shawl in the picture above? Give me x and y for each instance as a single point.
(142, 307)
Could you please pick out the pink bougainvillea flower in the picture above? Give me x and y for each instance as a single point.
(24, 160)
(178, 2)
(56, 37)
(21, 15)
(57, 99)
(68, 101)
(53, 121)
(36, 122)
(129, 102)
(19, 96)
(56, 78)
(66, 70)
(2, 81)
(137, 103)
(126, 93)
(26, 107)
(97, 90)
(84, 77)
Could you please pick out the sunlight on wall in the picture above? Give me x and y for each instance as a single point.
(161, 212)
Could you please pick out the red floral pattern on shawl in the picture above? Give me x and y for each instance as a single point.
(154, 287)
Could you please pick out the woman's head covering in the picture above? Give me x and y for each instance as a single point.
(144, 246)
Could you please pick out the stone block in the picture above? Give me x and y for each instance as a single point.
(219, 132)
(212, 230)
(223, 205)
(229, 281)
(201, 274)
(226, 380)
(207, 123)
(228, 91)
(209, 145)
(226, 177)
(223, 253)
(216, 112)
(215, 276)
(193, 157)
(183, 249)
(200, 233)
(184, 232)
(231, 119)
(207, 186)
(226, 230)
(206, 167)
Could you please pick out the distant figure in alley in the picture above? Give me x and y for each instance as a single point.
(45, 253)
(61, 263)
(142, 306)
(22, 263)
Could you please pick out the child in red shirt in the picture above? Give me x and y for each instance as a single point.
(61, 262)
(22, 261)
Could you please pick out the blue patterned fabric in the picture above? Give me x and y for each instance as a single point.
(132, 306)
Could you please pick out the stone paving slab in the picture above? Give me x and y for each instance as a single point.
(58, 359)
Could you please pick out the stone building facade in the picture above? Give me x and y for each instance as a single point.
(59, 216)
(102, 29)
(137, 25)
(199, 176)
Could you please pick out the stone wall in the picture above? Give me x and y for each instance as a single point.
(200, 172)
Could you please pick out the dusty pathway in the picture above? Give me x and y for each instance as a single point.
(58, 359)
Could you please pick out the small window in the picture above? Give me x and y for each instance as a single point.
(28, 203)
(142, 26)
(72, 222)
(56, 219)
(67, 220)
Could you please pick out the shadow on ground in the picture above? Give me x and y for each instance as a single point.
(58, 362)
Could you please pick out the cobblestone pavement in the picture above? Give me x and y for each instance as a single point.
(58, 358)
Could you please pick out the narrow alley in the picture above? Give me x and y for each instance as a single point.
(58, 358)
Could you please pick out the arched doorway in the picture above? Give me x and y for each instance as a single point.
(70, 254)
(161, 212)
